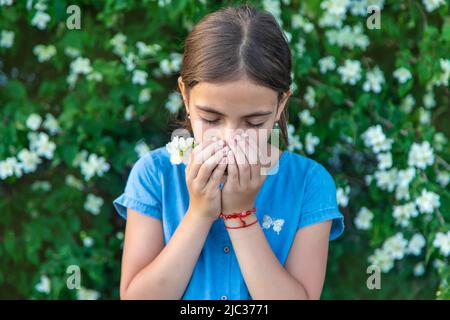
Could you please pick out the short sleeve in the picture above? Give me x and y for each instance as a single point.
(319, 201)
(143, 189)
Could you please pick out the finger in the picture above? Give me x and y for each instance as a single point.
(233, 173)
(253, 156)
(217, 174)
(242, 164)
(209, 165)
(202, 155)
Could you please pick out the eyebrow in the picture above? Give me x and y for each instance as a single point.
(253, 114)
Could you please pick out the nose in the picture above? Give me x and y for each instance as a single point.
(229, 132)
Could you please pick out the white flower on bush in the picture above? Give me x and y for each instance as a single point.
(407, 103)
(375, 138)
(306, 118)
(384, 160)
(419, 269)
(88, 242)
(310, 96)
(81, 66)
(71, 52)
(402, 75)
(294, 139)
(44, 285)
(421, 155)
(429, 100)
(87, 294)
(180, 149)
(44, 53)
(416, 244)
(403, 213)
(40, 20)
(139, 77)
(443, 78)
(350, 72)
(145, 50)
(299, 21)
(443, 177)
(386, 179)
(431, 5)
(442, 242)
(172, 64)
(93, 204)
(10, 167)
(374, 80)
(118, 42)
(327, 63)
(6, 2)
(404, 178)
(342, 196)
(428, 201)
(145, 95)
(348, 37)
(93, 165)
(51, 124)
(41, 144)
(174, 102)
(141, 149)
(29, 160)
(310, 143)
(6, 39)
(33, 121)
(382, 259)
(130, 61)
(73, 182)
(335, 7)
(395, 246)
(363, 220)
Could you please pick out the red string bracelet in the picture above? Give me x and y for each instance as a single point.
(239, 215)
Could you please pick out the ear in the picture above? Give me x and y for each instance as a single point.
(283, 103)
(183, 93)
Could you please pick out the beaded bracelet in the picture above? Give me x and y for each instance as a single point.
(239, 215)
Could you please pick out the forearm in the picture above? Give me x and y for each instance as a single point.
(168, 275)
(264, 276)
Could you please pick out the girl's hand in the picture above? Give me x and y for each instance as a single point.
(203, 174)
(244, 175)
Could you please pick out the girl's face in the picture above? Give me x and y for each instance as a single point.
(226, 109)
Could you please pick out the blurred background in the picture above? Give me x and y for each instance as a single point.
(88, 87)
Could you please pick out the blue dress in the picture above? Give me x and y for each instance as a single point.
(300, 193)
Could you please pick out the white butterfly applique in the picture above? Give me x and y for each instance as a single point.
(268, 222)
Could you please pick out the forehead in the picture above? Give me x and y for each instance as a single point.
(237, 96)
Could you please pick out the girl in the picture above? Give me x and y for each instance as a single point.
(192, 231)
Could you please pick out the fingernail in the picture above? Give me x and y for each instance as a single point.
(238, 138)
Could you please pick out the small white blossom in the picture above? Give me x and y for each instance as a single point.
(174, 103)
(40, 20)
(420, 155)
(44, 285)
(384, 160)
(94, 165)
(180, 149)
(402, 75)
(29, 160)
(403, 213)
(145, 95)
(395, 246)
(51, 124)
(139, 77)
(431, 5)
(6, 39)
(306, 118)
(10, 167)
(310, 143)
(416, 244)
(342, 196)
(442, 242)
(327, 63)
(141, 149)
(386, 179)
(376, 139)
(374, 80)
(42, 145)
(88, 242)
(87, 294)
(443, 177)
(350, 72)
(310, 96)
(118, 42)
(428, 201)
(34, 121)
(93, 204)
(81, 66)
(382, 259)
(44, 53)
(363, 220)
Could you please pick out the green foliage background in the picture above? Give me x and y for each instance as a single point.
(42, 230)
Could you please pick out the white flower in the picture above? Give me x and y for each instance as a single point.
(139, 77)
(374, 80)
(442, 242)
(348, 37)
(431, 5)
(44, 285)
(420, 155)
(443, 177)
(6, 2)
(44, 53)
(40, 20)
(81, 66)
(10, 167)
(384, 160)
(424, 116)
(395, 246)
(93, 204)
(130, 61)
(326, 64)
(382, 259)
(6, 39)
(306, 118)
(51, 124)
(71, 52)
(145, 95)
(342, 196)
(402, 75)
(310, 96)
(416, 244)
(28, 160)
(386, 179)
(350, 72)
(403, 213)
(141, 149)
(129, 112)
(294, 140)
(87, 294)
(172, 64)
(34, 121)
(419, 269)
(180, 149)
(73, 182)
(428, 201)
(407, 103)
(118, 42)
(335, 7)
(311, 142)
(428, 100)
(145, 50)
(174, 102)
(42, 145)
(94, 165)
(88, 242)
(363, 220)
(299, 21)
(375, 139)
(95, 76)
(445, 74)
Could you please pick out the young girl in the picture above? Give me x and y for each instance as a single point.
(218, 227)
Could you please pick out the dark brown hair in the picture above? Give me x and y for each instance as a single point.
(234, 43)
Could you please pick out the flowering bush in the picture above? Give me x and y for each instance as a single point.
(79, 106)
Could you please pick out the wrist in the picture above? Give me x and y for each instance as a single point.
(200, 217)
